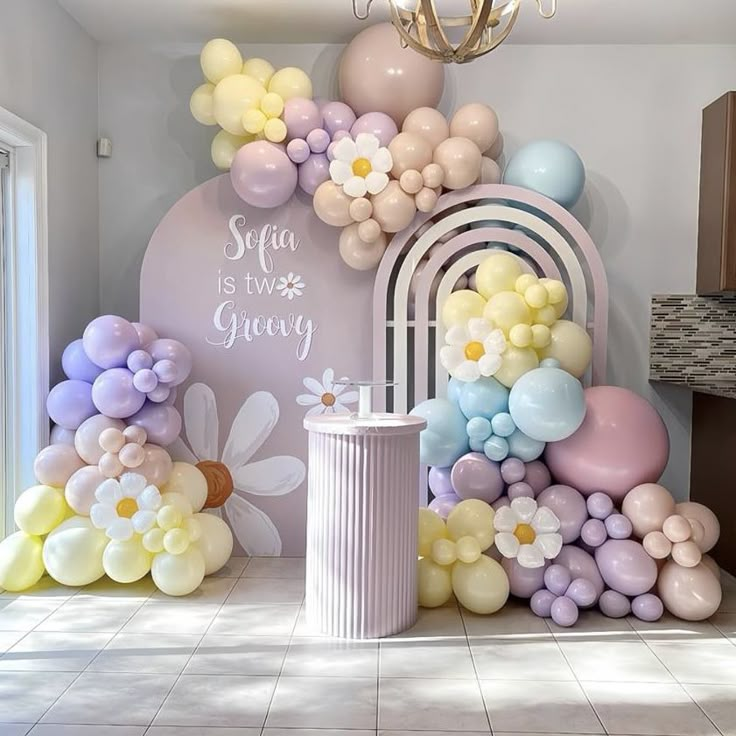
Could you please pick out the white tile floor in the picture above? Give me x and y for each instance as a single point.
(237, 659)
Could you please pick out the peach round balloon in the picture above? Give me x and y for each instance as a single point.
(80, 489)
(477, 122)
(460, 160)
(409, 151)
(712, 565)
(711, 527)
(332, 205)
(657, 545)
(393, 208)
(676, 528)
(690, 593)
(377, 74)
(433, 175)
(686, 554)
(359, 254)
(157, 466)
(647, 507)
(55, 464)
(360, 209)
(496, 149)
(369, 230)
(411, 181)
(87, 438)
(426, 199)
(490, 171)
(429, 123)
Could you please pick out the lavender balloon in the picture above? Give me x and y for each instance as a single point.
(626, 567)
(594, 533)
(614, 604)
(162, 423)
(618, 526)
(581, 565)
(146, 334)
(564, 612)
(439, 481)
(377, 123)
(77, 365)
(301, 116)
(513, 470)
(569, 507)
(108, 341)
(475, 476)
(443, 505)
(647, 607)
(139, 360)
(298, 150)
(262, 175)
(520, 490)
(114, 394)
(599, 505)
(523, 581)
(557, 578)
(582, 592)
(537, 476)
(337, 116)
(541, 603)
(69, 403)
(318, 140)
(177, 353)
(313, 172)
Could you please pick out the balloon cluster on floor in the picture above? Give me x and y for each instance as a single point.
(544, 490)
(372, 160)
(110, 500)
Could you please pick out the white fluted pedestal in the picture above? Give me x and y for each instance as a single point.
(362, 524)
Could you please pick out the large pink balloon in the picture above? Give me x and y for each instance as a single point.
(377, 74)
(622, 443)
(690, 593)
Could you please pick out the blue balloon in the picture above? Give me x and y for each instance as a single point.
(453, 390)
(503, 425)
(485, 397)
(551, 168)
(477, 445)
(478, 428)
(496, 448)
(523, 447)
(76, 365)
(547, 404)
(444, 440)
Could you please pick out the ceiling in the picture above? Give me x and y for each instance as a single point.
(331, 21)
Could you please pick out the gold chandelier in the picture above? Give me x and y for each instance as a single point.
(446, 32)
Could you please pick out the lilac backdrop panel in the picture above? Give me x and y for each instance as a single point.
(223, 277)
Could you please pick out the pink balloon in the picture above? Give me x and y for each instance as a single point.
(711, 528)
(569, 507)
(622, 443)
(301, 116)
(80, 489)
(87, 438)
(157, 466)
(378, 124)
(55, 464)
(263, 175)
(475, 476)
(537, 476)
(690, 593)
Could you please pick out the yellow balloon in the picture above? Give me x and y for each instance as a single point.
(434, 583)
(482, 586)
(468, 549)
(72, 553)
(524, 282)
(472, 518)
(220, 58)
(176, 541)
(275, 130)
(126, 562)
(571, 345)
(557, 294)
(193, 528)
(178, 574)
(540, 336)
(200, 104)
(536, 296)
(461, 306)
(545, 316)
(443, 551)
(254, 121)
(260, 69)
(291, 82)
(21, 561)
(189, 481)
(272, 104)
(40, 509)
(232, 97)
(179, 501)
(153, 540)
(215, 541)
(521, 336)
(515, 362)
(506, 309)
(497, 273)
(431, 527)
(168, 517)
(224, 147)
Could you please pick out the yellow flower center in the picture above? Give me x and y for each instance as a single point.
(127, 507)
(328, 399)
(525, 534)
(362, 167)
(474, 351)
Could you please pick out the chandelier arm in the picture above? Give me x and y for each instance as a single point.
(428, 10)
(409, 40)
(357, 15)
(473, 37)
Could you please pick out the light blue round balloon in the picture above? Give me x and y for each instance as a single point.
(485, 397)
(444, 440)
(502, 424)
(453, 390)
(496, 448)
(478, 428)
(477, 445)
(523, 447)
(551, 168)
(547, 404)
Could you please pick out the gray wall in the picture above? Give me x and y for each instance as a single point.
(633, 113)
(48, 76)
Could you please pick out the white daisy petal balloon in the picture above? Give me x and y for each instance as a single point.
(361, 166)
(473, 350)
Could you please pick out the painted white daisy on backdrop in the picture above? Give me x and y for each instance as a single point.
(273, 476)
(290, 286)
(325, 397)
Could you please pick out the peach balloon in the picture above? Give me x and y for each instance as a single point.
(409, 151)
(433, 176)
(55, 464)
(460, 160)
(429, 123)
(87, 438)
(697, 531)
(676, 528)
(110, 465)
(712, 565)
(359, 254)
(646, 507)
(657, 545)
(476, 122)
(393, 208)
(711, 527)
(332, 205)
(369, 230)
(426, 199)
(686, 554)
(360, 209)
(80, 489)
(157, 466)
(690, 593)
(490, 171)
(496, 149)
(411, 181)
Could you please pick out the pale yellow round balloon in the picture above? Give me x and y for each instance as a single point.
(444, 551)
(220, 58)
(178, 574)
(556, 294)
(254, 121)
(126, 562)
(189, 481)
(515, 362)
(153, 540)
(232, 97)
(434, 583)
(482, 586)
(497, 273)
(461, 306)
(536, 296)
(215, 541)
(521, 335)
(40, 509)
(168, 517)
(468, 549)
(224, 147)
(260, 69)
(546, 316)
(541, 336)
(506, 309)
(431, 527)
(524, 282)
(291, 82)
(21, 561)
(472, 518)
(72, 553)
(179, 501)
(275, 130)
(571, 345)
(272, 104)
(200, 104)
(176, 541)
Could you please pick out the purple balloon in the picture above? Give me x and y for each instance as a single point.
(166, 371)
(443, 505)
(177, 353)
(541, 603)
(145, 380)
(626, 567)
(69, 403)
(109, 340)
(594, 533)
(162, 423)
(557, 578)
(599, 505)
(475, 476)
(313, 172)
(581, 565)
(520, 490)
(160, 394)
(114, 394)
(569, 507)
(523, 581)
(301, 117)
(139, 360)
(618, 526)
(647, 607)
(614, 605)
(564, 612)
(513, 470)
(377, 123)
(77, 365)
(298, 150)
(439, 481)
(501, 502)
(263, 175)
(170, 400)
(318, 140)
(582, 591)
(146, 334)
(337, 116)
(537, 476)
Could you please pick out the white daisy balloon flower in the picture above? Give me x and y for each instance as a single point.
(527, 532)
(361, 166)
(473, 350)
(125, 506)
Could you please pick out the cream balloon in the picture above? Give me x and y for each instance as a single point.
(429, 123)
(224, 147)
(393, 208)
(332, 205)
(507, 309)
(179, 501)
(434, 583)
(260, 69)
(476, 122)
(291, 82)
(481, 586)
(359, 254)
(460, 159)
(690, 593)
(709, 521)
(490, 172)
(215, 542)
(497, 273)
(126, 562)
(232, 97)
(409, 151)
(571, 345)
(79, 491)
(461, 306)
(40, 509)
(72, 553)
(431, 527)
(178, 575)
(201, 104)
(472, 518)
(87, 438)
(219, 59)
(21, 562)
(646, 507)
(189, 481)
(515, 362)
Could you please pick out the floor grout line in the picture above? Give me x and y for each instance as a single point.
(475, 669)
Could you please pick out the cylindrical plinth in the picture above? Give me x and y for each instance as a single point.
(362, 524)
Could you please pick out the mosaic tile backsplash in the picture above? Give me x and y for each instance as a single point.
(693, 342)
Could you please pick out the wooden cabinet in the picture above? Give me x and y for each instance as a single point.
(717, 216)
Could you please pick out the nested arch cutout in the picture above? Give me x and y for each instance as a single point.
(549, 239)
